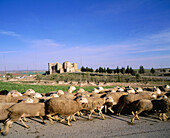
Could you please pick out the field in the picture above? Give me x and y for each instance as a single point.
(39, 88)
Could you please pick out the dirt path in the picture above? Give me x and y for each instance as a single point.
(112, 126)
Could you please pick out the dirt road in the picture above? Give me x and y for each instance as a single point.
(112, 126)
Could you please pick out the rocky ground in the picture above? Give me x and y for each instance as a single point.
(112, 126)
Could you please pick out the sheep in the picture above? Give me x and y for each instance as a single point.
(125, 100)
(120, 89)
(4, 113)
(4, 92)
(129, 90)
(23, 110)
(139, 89)
(29, 92)
(64, 107)
(71, 89)
(159, 105)
(139, 106)
(68, 96)
(95, 104)
(14, 93)
(113, 99)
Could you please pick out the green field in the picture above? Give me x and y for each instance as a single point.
(39, 88)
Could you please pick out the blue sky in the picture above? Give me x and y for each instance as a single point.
(92, 33)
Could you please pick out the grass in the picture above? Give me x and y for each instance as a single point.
(39, 88)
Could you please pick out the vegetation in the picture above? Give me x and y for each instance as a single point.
(39, 88)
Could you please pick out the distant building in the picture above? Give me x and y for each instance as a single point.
(60, 68)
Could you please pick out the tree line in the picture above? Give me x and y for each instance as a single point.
(123, 70)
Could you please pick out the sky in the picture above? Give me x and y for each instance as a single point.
(92, 33)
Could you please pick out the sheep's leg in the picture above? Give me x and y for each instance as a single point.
(7, 127)
(50, 118)
(133, 113)
(79, 113)
(2, 128)
(73, 118)
(23, 123)
(62, 120)
(42, 119)
(136, 115)
(55, 117)
(101, 114)
(105, 108)
(68, 119)
(91, 111)
(159, 115)
(110, 108)
(164, 117)
(120, 109)
(24, 118)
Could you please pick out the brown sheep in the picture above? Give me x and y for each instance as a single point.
(113, 99)
(63, 107)
(24, 110)
(159, 105)
(4, 113)
(95, 103)
(125, 100)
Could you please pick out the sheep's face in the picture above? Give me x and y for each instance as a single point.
(109, 99)
(153, 96)
(60, 92)
(83, 101)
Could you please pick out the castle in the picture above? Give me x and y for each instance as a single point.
(61, 68)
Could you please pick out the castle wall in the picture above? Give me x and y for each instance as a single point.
(60, 68)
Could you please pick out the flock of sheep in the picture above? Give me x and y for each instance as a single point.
(15, 106)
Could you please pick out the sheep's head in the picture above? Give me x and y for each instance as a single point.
(95, 90)
(14, 93)
(29, 92)
(109, 99)
(83, 101)
(153, 95)
(54, 95)
(37, 95)
(27, 100)
(71, 89)
(80, 90)
(60, 92)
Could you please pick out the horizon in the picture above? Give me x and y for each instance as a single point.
(93, 34)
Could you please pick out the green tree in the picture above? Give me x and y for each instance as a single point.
(130, 70)
(117, 70)
(122, 70)
(97, 70)
(100, 70)
(82, 69)
(127, 70)
(138, 77)
(152, 70)
(141, 70)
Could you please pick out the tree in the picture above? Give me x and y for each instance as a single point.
(82, 69)
(117, 70)
(122, 70)
(130, 70)
(138, 77)
(141, 70)
(152, 70)
(127, 70)
(133, 73)
(108, 70)
(97, 70)
(100, 70)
